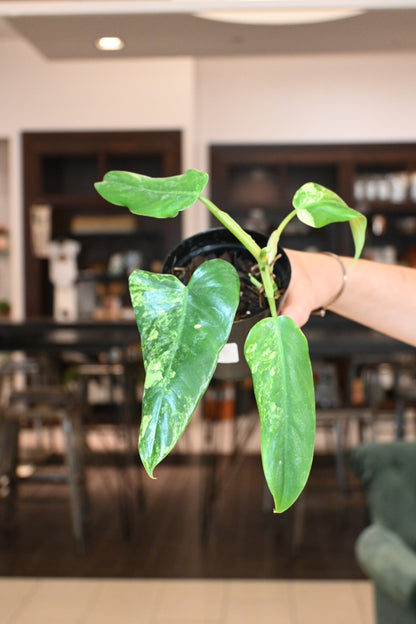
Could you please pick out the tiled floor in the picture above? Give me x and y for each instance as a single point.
(83, 601)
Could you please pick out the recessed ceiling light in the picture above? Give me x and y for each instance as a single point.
(109, 44)
(279, 16)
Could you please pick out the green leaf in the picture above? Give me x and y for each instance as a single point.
(277, 353)
(183, 330)
(317, 206)
(152, 197)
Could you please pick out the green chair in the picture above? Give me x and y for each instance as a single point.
(386, 550)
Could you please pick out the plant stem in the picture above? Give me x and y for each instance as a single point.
(236, 229)
(275, 236)
(266, 271)
(261, 256)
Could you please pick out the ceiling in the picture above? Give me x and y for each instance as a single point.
(151, 28)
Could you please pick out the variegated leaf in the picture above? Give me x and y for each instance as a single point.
(277, 353)
(183, 329)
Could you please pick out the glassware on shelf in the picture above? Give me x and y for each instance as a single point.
(412, 186)
(390, 187)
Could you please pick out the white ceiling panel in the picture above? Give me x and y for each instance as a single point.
(175, 31)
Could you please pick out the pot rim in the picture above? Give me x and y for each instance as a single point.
(229, 239)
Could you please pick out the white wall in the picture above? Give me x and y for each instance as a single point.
(293, 99)
(42, 94)
(38, 94)
(306, 99)
(4, 183)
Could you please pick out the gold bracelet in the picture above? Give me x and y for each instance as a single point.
(322, 311)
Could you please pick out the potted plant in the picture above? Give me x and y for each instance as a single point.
(184, 328)
(185, 258)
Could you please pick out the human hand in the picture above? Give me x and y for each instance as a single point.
(315, 280)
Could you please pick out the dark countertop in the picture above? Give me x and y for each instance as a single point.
(35, 335)
(334, 336)
(331, 336)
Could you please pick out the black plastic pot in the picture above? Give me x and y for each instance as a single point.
(214, 243)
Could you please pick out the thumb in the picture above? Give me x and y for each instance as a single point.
(299, 314)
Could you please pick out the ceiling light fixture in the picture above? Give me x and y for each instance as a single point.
(109, 44)
(279, 16)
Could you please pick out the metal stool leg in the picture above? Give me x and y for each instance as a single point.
(9, 434)
(75, 480)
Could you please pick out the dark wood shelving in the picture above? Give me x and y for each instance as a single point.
(386, 207)
(248, 180)
(60, 169)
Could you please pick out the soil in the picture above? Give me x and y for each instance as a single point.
(251, 300)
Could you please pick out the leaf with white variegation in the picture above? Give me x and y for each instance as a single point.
(152, 197)
(277, 353)
(318, 206)
(183, 329)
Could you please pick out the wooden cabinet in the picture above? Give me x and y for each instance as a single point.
(60, 169)
(256, 183)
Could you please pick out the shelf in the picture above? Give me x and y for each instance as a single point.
(395, 209)
(133, 235)
(91, 201)
(69, 175)
(60, 169)
(259, 181)
(106, 278)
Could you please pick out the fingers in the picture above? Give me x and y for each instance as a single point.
(297, 312)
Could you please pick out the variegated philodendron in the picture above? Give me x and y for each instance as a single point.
(184, 328)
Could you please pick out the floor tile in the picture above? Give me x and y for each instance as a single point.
(196, 620)
(364, 593)
(147, 601)
(326, 603)
(251, 602)
(126, 601)
(193, 601)
(58, 601)
(14, 593)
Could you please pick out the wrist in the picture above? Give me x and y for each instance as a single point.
(343, 277)
(316, 279)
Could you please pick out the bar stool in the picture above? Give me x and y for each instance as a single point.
(118, 380)
(26, 400)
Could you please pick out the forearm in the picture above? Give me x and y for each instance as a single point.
(379, 296)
